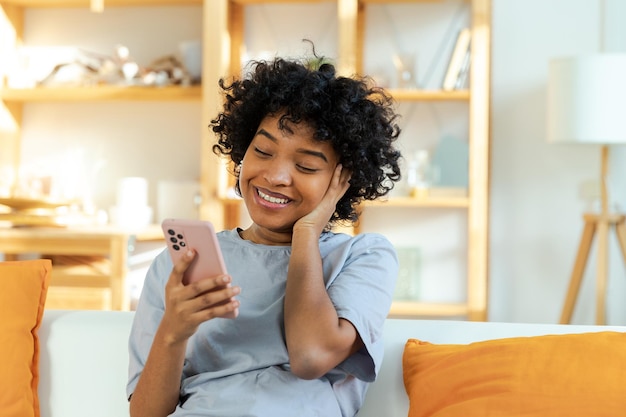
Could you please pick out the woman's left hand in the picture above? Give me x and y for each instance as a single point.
(319, 217)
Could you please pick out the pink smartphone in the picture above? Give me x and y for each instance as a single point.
(198, 235)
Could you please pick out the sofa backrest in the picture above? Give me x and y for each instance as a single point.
(84, 363)
(84, 359)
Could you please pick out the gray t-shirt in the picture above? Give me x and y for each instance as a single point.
(240, 367)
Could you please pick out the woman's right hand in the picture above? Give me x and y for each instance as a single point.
(187, 306)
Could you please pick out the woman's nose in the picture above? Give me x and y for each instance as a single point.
(277, 173)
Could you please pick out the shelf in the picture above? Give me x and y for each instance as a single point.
(70, 298)
(439, 202)
(116, 3)
(107, 3)
(430, 95)
(399, 1)
(412, 309)
(81, 276)
(252, 2)
(101, 93)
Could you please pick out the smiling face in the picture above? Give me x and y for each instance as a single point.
(284, 175)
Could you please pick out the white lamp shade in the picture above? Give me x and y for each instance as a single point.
(587, 99)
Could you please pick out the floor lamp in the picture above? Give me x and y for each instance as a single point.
(587, 104)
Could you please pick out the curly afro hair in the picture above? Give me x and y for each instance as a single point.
(357, 119)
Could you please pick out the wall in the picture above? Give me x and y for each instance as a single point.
(535, 203)
(536, 208)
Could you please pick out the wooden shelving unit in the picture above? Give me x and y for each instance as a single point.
(430, 95)
(441, 202)
(84, 284)
(107, 3)
(94, 242)
(225, 19)
(223, 33)
(12, 100)
(100, 93)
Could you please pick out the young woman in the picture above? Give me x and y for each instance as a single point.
(309, 304)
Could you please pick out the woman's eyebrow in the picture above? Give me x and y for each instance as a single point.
(266, 134)
(311, 152)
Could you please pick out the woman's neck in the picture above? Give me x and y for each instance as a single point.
(260, 235)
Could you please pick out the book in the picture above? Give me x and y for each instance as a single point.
(461, 81)
(461, 49)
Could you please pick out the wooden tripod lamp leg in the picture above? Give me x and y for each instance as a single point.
(604, 222)
(620, 231)
(579, 269)
(602, 271)
(601, 223)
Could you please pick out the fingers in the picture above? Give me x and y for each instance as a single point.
(213, 296)
(176, 277)
(340, 182)
(217, 302)
(188, 306)
(210, 297)
(318, 218)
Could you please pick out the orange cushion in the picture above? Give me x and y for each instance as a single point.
(543, 376)
(23, 288)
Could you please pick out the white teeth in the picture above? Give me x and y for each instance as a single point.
(272, 199)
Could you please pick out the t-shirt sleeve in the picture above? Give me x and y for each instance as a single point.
(362, 293)
(148, 314)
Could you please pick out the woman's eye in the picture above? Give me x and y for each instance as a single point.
(260, 152)
(307, 169)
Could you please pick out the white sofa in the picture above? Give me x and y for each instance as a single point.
(84, 359)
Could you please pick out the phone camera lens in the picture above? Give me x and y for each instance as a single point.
(173, 240)
(171, 232)
(179, 236)
(176, 247)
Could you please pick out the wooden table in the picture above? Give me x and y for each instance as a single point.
(108, 241)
